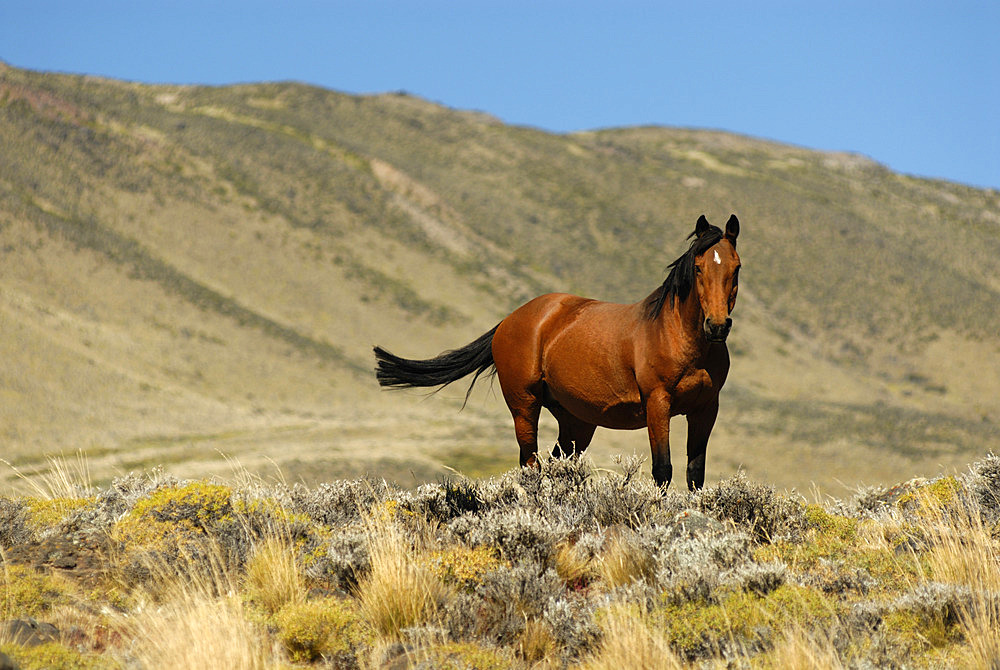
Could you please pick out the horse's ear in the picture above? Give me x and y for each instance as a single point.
(701, 226)
(732, 229)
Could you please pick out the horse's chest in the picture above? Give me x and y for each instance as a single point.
(693, 391)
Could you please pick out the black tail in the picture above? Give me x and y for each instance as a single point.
(475, 357)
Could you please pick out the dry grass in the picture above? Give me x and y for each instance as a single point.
(572, 566)
(535, 644)
(797, 649)
(192, 617)
(272, 577)
(628, 642)
(198, 630)
(622, 562)
(400, 590)
(965, 552)
(63, 478)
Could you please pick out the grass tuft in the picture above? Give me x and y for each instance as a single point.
(400, 590)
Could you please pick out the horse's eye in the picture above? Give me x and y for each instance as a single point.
(697, 270)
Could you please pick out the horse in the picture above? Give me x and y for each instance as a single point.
(620, 366)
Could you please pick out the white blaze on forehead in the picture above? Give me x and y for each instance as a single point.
(717, 259)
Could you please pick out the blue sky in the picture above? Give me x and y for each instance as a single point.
(914, 85)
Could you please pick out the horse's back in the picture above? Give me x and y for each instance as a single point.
(542, 323)
(519, 338)
(579, 350)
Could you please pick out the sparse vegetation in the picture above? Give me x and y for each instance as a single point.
(496, 573)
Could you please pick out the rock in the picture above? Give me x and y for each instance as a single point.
(80, 555)
(29, 633)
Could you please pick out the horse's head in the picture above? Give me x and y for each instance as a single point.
(717, 272)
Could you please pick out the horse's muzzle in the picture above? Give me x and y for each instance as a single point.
(718, 332)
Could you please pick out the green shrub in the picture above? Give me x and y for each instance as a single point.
(840, 527)
(54, 655)
(740, 620)
(931, 499)
(327, 628)
(49, 512)
(461, 656)
(463, 566)
(25, 592)
(170, 512)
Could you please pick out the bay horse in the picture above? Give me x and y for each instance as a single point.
(592, 363)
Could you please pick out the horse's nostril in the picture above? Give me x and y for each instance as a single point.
(729, 323)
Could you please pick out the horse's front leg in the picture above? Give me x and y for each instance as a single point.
(658, 425)
(700, 425)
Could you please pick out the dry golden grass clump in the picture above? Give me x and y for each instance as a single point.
(400, 590)
(518, 571)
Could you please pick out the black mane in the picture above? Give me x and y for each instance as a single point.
(679, 282)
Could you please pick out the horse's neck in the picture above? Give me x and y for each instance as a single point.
(684, 324)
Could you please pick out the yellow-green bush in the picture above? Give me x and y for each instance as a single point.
(48, 512)
(321, 628)
(25, 592)
(54, 655)
(695, 628)
(171, 511)
(824, 522)
(463, 656)
(463, 566)
(930, 499)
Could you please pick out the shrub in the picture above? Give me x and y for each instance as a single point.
(824, 522)
(766, 515)
(54, 655)
(458, 656)
(500, 607)
(570, 621)
(740, 621)
(758, 578)
(626, 498)
(26, 592)
(463, 566)
(14, 527)
(341, 502)
(341, 558)
(930, 499)
(983, 482)
(46, 513)
(520, 534)
(692, 568)
(327, 628)
(170, 513)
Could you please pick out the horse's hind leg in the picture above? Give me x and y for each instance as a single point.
(526, 430)
(574, 435)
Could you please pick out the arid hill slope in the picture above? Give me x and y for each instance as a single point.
(194, 273)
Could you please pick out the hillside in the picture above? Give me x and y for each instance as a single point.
(192, 274)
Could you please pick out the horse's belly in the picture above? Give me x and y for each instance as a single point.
(587, 368)
(623, 410)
